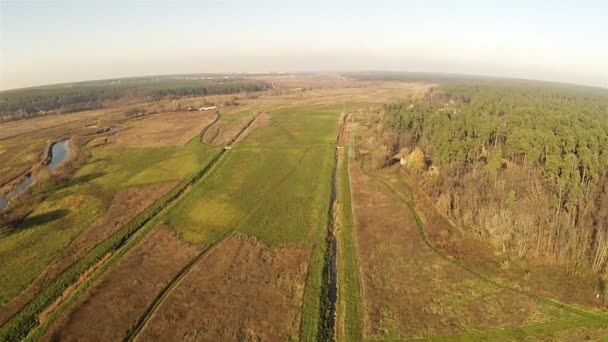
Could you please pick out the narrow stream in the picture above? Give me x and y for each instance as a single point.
(332, 270)
(330, 294)
(18, 191)
(60, 152)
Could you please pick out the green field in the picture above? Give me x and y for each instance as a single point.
(216, 205)
(116, 168)
(43, 234)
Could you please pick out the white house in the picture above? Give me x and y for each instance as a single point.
(206, 108)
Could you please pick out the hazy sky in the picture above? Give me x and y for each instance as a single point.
(52, 41)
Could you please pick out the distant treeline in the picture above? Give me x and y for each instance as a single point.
(406, 76)
(66, 98)
(459, 80)
(524, 165)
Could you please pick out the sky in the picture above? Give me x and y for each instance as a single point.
(47, 42)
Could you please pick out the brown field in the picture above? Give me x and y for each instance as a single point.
(125, 206)
(115, 302)
(167, 129)
(19, 127)
(211, 133)
(115, 111)
(408, 289)
(243, 290)
(223, 132)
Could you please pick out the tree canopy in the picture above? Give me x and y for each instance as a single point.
(23, 103)
(525, 162)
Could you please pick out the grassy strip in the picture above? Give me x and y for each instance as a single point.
(315, 306)
(350, 304)
(27, 319)
(311, 322)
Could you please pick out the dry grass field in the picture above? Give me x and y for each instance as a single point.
(215, 225)
(412, 292)
(115, 302)
(166, 129)
(242, 290)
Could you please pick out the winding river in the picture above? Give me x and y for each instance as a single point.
(60, 152)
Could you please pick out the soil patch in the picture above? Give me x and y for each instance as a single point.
(169, 129)
(243, 290)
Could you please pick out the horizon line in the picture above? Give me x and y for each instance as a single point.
(309, 72)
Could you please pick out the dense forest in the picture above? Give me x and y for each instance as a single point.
(521, 165)
(30, 102)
